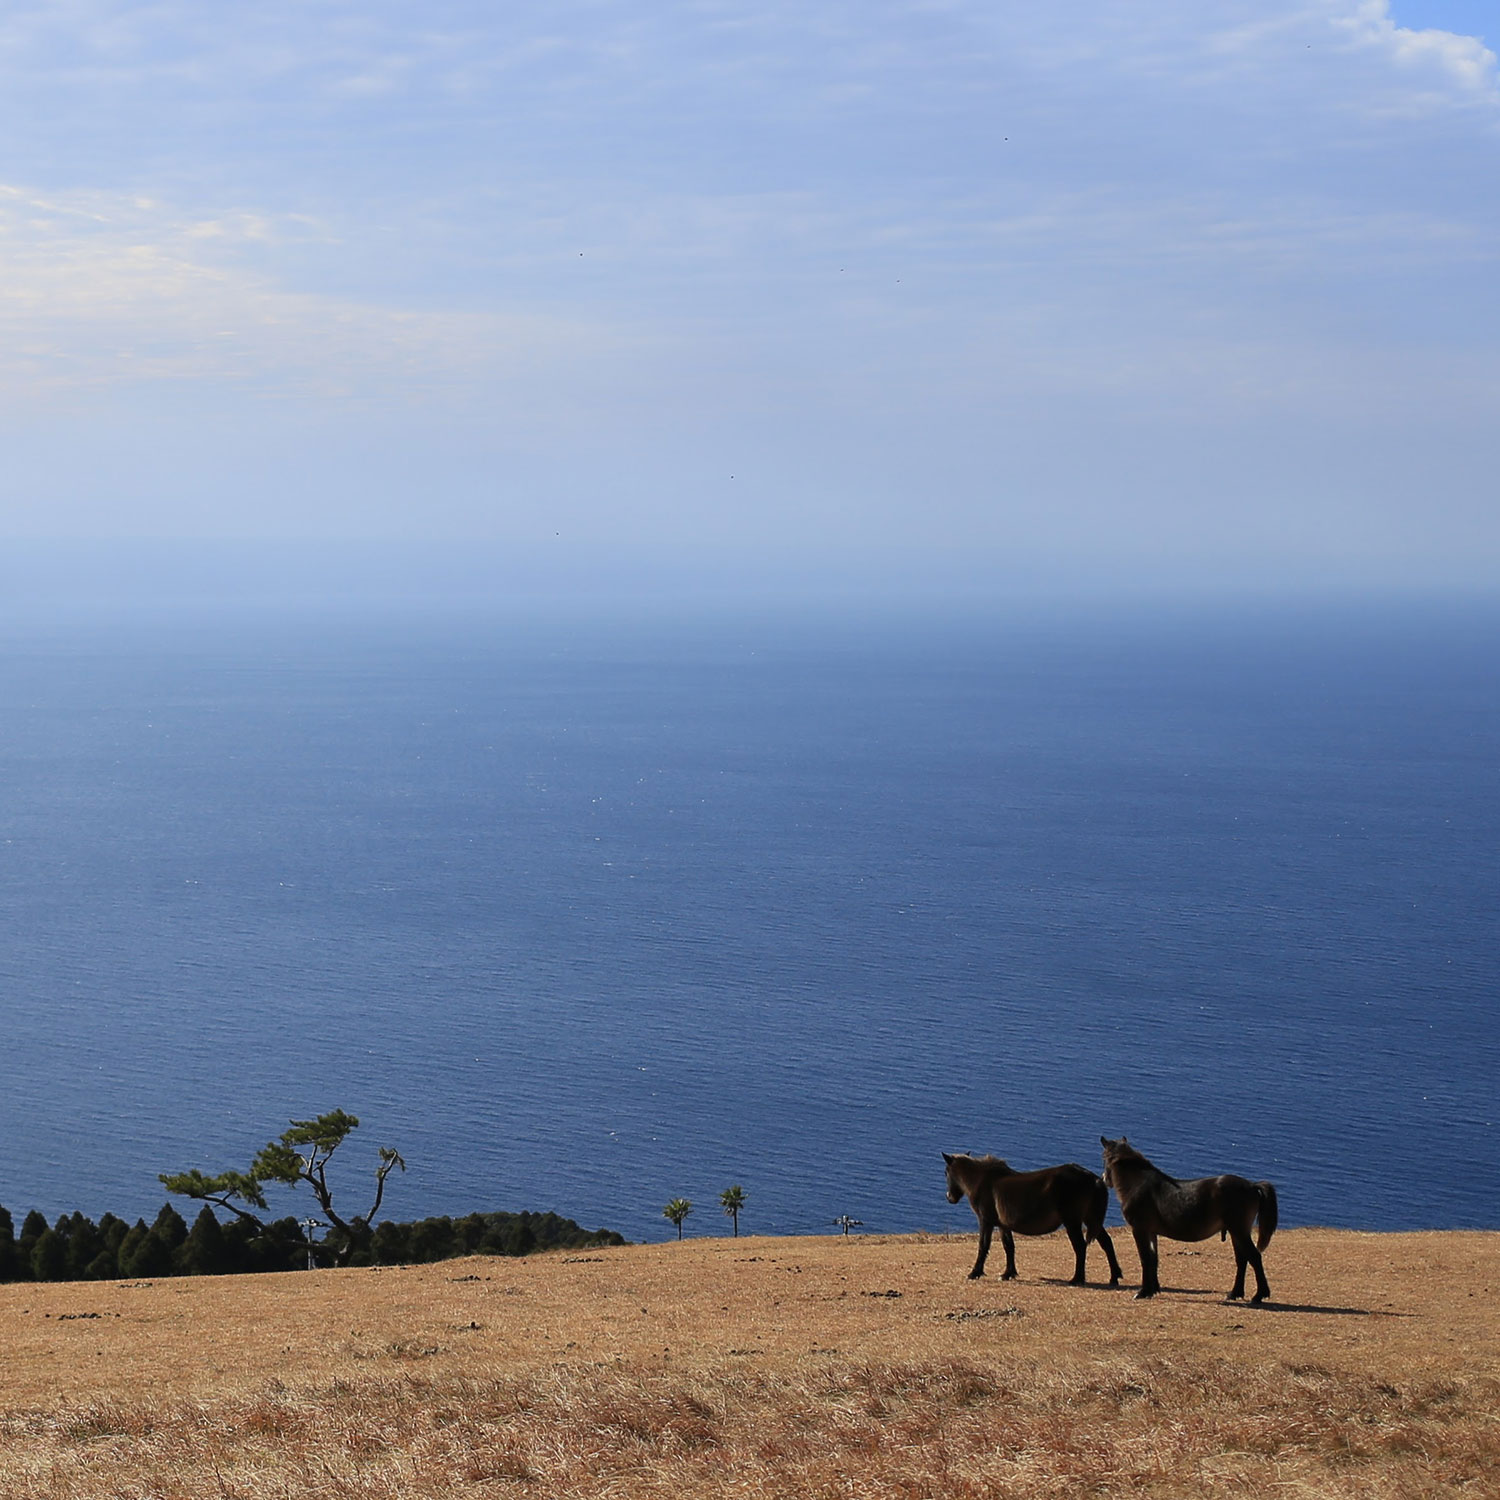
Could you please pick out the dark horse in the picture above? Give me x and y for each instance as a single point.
(1069, 1197)
(1154, 1204)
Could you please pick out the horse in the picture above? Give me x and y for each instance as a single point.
(1155, 1204)
(1070, 1197)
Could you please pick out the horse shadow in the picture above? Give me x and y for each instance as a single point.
(1087, 1286)
(1315, 1307)
(1125, 1286)
(1214, 1295)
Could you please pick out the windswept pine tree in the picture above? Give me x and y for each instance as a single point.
(300, 1155)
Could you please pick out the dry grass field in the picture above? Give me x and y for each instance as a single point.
(758, 1367)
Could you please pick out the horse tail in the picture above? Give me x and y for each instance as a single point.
(1098, 1207)
(1267, 1214)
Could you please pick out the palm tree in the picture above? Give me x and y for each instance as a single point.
(677, 1210)
(732, 1200)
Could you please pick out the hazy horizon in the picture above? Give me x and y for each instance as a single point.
(108, 582)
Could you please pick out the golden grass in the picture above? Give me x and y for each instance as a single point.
(757, 1367)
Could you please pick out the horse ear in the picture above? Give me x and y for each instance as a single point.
(947, 1158)
(1104, 1140)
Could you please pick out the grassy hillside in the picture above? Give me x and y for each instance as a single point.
(815, 1367)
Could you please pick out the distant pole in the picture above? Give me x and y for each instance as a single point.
(308, 1225)
(845, 1223)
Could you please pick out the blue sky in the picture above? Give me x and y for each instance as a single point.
(1162, 289)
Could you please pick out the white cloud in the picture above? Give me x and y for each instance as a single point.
(100, 288)
(1436, 66)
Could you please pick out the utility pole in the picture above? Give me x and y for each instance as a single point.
(308, 1225)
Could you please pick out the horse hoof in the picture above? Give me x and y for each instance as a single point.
(1143, 1294)
(1010, 1276)
(1258, 1298)
(976, 1275)
(1078, 1281)
(1234, 1296)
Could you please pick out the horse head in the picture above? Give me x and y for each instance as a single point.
(1114, 1153)
(955, 1189)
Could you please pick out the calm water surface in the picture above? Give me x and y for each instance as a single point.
(589, 915)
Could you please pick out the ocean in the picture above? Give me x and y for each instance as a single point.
(586, 912)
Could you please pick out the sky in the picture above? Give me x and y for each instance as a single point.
(967, 292)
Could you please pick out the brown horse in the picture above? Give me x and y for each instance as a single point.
(1155, 1204)
(1068, 1197)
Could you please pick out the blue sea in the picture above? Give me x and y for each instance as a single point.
(585, 911)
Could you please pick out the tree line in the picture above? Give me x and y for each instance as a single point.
(75, 1248)
(249, 1241)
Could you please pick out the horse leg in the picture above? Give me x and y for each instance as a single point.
(1145, 1245)
(1262, 1286)
(1102, 1235)
(986, 1230)
(1241, 1258)
(1080, 1251)
(1009, 1241)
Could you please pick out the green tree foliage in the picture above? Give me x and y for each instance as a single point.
(301, 1154)
(482, 1234)
(469, 1233)
(103, 1267)
(7, 1246)
(677, 1210)
(130, 1247)
(49, 1256)
(113, 1230)
(732, 1201)
(76, 1249)
(85, 1245)
(205, 1251)
(430, 1240)
(170, 1227)
(145, 1253)
(33, 1227)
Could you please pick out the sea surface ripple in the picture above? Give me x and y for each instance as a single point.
(588, 914)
